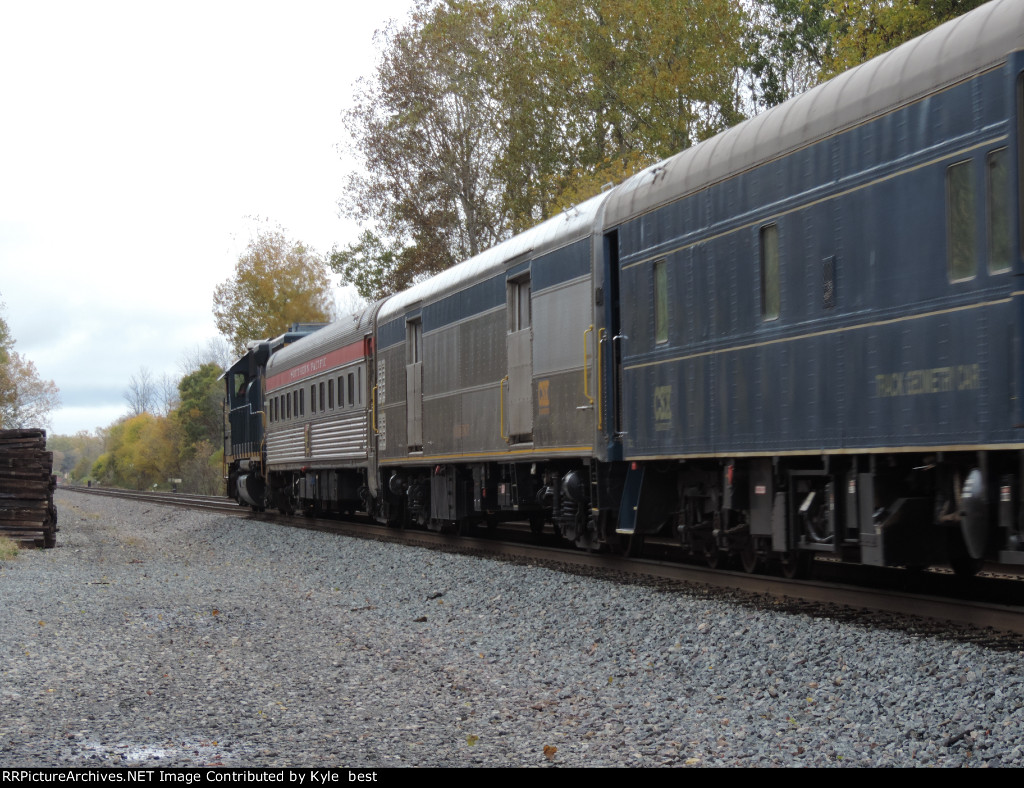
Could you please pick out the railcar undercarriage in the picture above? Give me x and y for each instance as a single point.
(912, 510)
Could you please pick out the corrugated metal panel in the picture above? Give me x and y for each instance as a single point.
(519, 400)
(342, 437)
(414, 402)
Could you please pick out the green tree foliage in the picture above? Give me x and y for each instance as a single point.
(485, 115)
(425, 130)
(144, 450)
(866, 28)
(792, 45)
(200, 414)
(787, 44)
(75, 454)
(277, 282)
(647, 78)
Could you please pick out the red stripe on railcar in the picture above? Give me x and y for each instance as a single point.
(316, 366)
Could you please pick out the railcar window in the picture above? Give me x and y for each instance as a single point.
(660, 302)
(519, 312)
(960, 221)
(341, 391)
(770, 299)
(330, 393)
(288, 405)
(302, 402)
(413, 343)
(312, 398)
(998, 185)
(359, 385)
(323, 405)
(828, 282)
(351, 388)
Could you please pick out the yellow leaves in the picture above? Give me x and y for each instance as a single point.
(277, 282)
(472, 739)
(549, 752)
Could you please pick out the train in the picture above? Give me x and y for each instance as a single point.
(801, 336)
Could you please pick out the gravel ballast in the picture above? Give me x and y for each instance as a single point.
(160, 637)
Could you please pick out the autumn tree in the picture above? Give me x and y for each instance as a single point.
(793, 45)
(26, 400)
(139, 452)
(425, 128)
(788, 44)
(200, 412)
(277, 282)
(861, 30)
(142, 393)
(74, 454)
(487, 116)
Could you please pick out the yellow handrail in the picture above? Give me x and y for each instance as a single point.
(501, 410)
(373, 397)
(586, 376)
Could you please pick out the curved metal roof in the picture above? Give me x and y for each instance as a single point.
(972, 43)
(568, 226)
(342, 332)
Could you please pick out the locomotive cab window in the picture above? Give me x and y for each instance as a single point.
(998, 187)
(770, 298)
(660, 302)
(960, 223)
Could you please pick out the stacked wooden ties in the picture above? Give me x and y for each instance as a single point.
(26, 487)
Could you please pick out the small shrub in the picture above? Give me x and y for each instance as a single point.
(8, 549)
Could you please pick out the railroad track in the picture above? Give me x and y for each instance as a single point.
(987, 609)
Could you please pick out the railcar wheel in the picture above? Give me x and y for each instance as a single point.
(749, 559)
(795, 564)
(963, 564)
(713, 555)
(629, 545)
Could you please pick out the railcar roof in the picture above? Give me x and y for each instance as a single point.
(344, 331)
(568, 226)
(970, 44)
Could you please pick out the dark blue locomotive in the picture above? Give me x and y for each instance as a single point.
(803, 335)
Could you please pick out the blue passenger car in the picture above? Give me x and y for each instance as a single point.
(834, 350)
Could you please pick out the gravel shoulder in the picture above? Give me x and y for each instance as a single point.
(159, 637)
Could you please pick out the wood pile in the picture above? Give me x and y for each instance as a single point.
(26, 487)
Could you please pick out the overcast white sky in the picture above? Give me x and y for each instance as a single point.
(137, 140)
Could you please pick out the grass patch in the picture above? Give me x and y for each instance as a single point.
(8, 549)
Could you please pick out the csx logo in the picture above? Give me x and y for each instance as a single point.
(662, 408)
